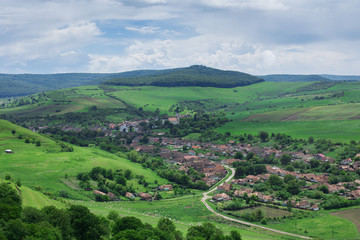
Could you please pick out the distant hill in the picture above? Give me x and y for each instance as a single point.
(13, 85)
(181, 77)
(294, 78)
(341, 77)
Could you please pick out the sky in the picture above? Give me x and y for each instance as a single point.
(253, 36)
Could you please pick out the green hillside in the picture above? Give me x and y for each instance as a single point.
(24, 84)
(45, 167)
(191, 76)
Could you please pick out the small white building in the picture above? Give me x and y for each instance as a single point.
(8, 151)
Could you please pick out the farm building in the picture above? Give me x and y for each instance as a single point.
(8, 151)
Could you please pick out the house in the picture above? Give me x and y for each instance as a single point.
(221, 197)
(346, 161)
(111, 195)
(97, 192)
(8, 151)
(314, 207)
(226, 187)
(303, 204)
(145, 196)
(353, 195)
(173, 120)
(241, 192)
(320, 157)
(129, 195)
(266, 198)
(167, 187)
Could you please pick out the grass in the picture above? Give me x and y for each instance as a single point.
(46, 166)
(185, 211)
(341, 130)
(78, 99)
(322, 226)
(268, 212)
(352, 215)
(268, 106)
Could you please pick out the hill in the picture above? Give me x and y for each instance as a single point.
(13, 85)
(48, 168)
(294, 78)
(182, 77)
(342, 77)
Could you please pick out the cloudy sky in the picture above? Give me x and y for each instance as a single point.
(253, 36)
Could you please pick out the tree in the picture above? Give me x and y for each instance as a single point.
(293, 187)
(311, 139)
(38, 143)
(263, 136)
(288, 178)
(314, 163)
(126, 223)
(275, 180)
(323, 188)
(10, 203)
(85, 224)
(285, 159)
(165, 224)
(235, 235)
(204, 231)
(128, 174)
(238, 155)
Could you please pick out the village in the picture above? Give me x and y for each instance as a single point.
(208, 159)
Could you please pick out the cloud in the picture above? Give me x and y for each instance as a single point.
(144, 30)
(256, 36)
(246, 4)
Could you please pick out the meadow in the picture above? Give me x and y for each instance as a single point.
(298, 109)
(47, 167)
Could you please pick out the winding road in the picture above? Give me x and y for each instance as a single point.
(205, 197)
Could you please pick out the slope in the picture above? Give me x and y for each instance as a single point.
(191, 76)
(46, 167)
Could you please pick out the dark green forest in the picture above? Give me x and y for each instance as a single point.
(192, 76)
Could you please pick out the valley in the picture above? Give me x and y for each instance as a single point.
(151, 152)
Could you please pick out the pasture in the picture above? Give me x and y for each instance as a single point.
(352, 214)
(185, 211)
(322, 226)
(45, 166)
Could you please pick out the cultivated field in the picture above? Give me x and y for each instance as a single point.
(350, 214)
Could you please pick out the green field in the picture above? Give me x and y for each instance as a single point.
(63, 101)
(185, 211)
(46, 166)
(299, 109)
(322, 226)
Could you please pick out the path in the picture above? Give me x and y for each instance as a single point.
(205, 196)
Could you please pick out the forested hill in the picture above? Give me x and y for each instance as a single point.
(191, 76)
(13, 85)
(294, 78)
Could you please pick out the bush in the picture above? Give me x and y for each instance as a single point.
(263, 221)
(7, 177)
(64, 194)
(113, 215)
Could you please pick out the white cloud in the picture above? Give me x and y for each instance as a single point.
(144, 30)
(256, 36)
(254, 4)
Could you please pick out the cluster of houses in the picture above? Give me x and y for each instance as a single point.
(141, 195)
(311, 178)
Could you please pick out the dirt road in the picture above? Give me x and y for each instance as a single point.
(205, 196)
